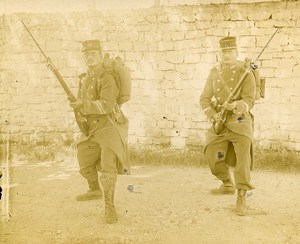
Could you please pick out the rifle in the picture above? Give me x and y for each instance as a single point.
(80, 120)
(218, 125)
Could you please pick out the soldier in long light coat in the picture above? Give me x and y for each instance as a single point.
(234, 144)
(105, 146)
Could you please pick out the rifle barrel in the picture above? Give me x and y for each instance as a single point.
(54, 70)
(81, 121)
(62, 82)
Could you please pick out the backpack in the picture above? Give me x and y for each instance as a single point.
(121, 74)
(259, 81)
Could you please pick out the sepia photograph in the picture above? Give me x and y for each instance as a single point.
(149, 122)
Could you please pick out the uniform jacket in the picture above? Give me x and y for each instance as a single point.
(221, 81)
(107, 124)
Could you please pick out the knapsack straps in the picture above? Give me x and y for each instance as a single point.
(224, 86)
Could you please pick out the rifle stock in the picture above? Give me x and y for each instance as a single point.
(80, 120)
(218, 125)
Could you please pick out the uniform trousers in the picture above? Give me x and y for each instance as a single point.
(93, 157)
(215, 155)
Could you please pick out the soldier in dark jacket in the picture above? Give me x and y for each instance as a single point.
(105, 146)
(234, 144)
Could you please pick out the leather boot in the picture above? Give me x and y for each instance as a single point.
(108, 181)
(94, 192)
(226, 188)
(241, 207)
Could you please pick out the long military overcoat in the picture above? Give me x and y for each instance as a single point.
(107, 124)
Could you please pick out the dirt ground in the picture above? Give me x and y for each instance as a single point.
(155, 205)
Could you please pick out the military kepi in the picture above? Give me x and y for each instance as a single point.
(91, 45)
(228, 42)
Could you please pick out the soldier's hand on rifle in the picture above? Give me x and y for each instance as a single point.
(77, 104)
(230, 106)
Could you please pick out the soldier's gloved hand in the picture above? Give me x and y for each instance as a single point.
(77, 104)
(230, 106)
